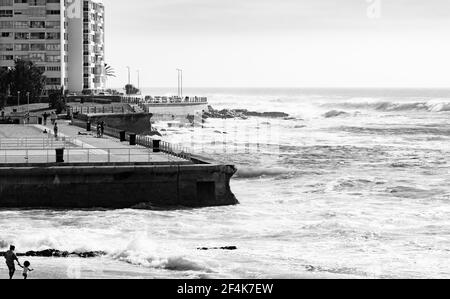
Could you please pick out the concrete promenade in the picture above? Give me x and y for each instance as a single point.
(101, 173)
(29, 144)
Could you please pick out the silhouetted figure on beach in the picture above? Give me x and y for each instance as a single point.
(26, 268)
(11, 258)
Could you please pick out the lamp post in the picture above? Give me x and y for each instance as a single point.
(18, 100)
(138, 78)
(28, 102)
(180, 83)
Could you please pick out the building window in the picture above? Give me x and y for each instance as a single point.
(53, 35)
(6, 57)
(37, 47)
(22, 47)
(21, 35)
(21, 25)
(37, 57)
(53, 47)
(6, 13)
(37, 24)
(53, 58)
(6, 3)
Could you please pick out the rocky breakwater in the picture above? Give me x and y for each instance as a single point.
(241, 113)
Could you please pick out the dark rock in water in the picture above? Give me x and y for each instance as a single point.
(240, 113)
(335, 113)
(218, 248)
(59, 254)
(267, 114)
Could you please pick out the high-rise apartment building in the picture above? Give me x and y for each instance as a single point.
(86, 45)
(65, 38)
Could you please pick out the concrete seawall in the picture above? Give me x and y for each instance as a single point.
(95, 172)
(115, 186)
(138, 123)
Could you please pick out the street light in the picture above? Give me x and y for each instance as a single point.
(139, 83)
(180, 83)
(28, 102)
(129, 78)
(18, 100)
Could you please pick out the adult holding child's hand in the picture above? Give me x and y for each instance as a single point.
(11, 258)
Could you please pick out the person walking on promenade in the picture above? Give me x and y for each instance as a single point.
(53, 118)
(98, 130)
(55, 130)
(11, 258)
(45, 117)
(102, 128)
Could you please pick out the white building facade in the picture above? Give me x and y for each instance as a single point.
(65, 38)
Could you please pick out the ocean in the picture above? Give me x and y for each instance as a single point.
(354, 184)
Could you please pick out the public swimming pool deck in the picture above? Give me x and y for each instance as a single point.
(29, 144)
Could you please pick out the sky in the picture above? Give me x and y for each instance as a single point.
(280, 43)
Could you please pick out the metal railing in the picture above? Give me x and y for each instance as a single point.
(98, 109)
(163, 100)
(165, 147)
(145, 141)
(84, 155)
(37, 142)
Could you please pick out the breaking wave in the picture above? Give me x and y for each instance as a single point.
(385, 106)
(257, 172)
(172, 263)
(3, 244)
(335, 113)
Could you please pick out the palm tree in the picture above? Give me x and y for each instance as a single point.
(109, 71)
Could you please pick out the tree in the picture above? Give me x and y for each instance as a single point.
(26, 77)
(109, 71)
(130, 89)
(3, 87)
(57, 101)
(3, 81)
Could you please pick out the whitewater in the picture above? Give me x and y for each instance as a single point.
(354, 184)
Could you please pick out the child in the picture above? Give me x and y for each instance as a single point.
(26, 268)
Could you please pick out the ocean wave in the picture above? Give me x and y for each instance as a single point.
(173, 263)
(256, 172)
(335, 113)
(387, 106)
(3, 244)
(412, 192)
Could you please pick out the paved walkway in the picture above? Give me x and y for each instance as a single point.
(78, 148)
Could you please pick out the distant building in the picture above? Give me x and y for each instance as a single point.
(65, 38)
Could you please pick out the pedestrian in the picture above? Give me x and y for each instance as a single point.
(55, 130)
(45, 116)
(102, 128)
(53, 118)
(98, 130)
(11, 258)
(26, 268)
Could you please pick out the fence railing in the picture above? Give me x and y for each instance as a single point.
(163, 100)
(83, 155)
(98, 109)
(145, 141)
(36, 142)
(164, 147)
